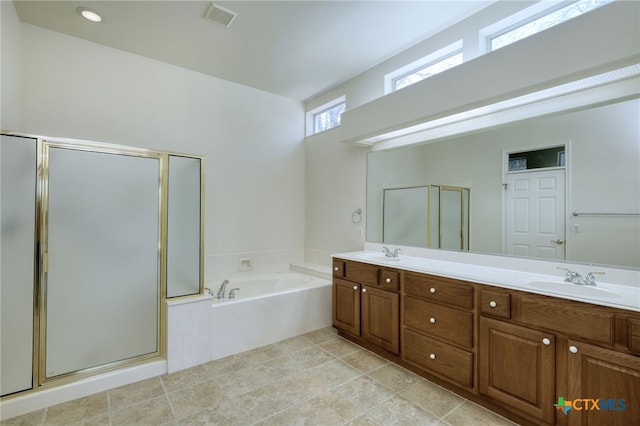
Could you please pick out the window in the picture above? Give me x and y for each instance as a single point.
(540, 20)
(326, 116)
(434, 63)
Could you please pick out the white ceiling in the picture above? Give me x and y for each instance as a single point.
(292, 48)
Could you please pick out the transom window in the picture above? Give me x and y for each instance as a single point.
(541, 20)
(432, 64)
(326, 116)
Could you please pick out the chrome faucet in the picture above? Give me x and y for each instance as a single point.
(222, 289)
(389, 253)
(590, 279)
(575, 278)
(232, 293)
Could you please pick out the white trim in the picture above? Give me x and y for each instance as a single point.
(438, 55)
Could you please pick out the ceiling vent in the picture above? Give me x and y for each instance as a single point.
(219, 15)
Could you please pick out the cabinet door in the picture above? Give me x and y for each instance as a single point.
(346, 306)
(517, 367)
(611, 378)
(381, 318)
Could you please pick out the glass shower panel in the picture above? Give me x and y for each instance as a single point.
(183, 231)
(405, 218)
(17, 233)
(451, 219)
(102, 287)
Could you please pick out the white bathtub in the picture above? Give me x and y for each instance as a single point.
(267, 309)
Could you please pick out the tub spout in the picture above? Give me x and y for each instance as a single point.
(222, 289)
(232, 293)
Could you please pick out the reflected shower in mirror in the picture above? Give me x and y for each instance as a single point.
(599, 159)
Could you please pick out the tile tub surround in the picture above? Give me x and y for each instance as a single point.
(315, 378)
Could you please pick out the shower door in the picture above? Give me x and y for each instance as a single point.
(101, 256)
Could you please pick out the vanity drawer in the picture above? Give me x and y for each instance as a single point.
(495, 303)
(577, 319)
(450, 324)
(439, 289)
(445, 360)
(338, 268)
(389, 279)
(363, 273)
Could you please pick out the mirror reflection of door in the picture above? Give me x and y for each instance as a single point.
(535, 210)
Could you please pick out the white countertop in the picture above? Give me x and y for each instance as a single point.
(617, 295)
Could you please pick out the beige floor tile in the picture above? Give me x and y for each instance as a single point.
(184, 378)
(240, 382)
(312, 356)
(154, 412)
(339, 347)
(95, 421)
(431, 397)
(135, 393)
(394, 377)
(364, 360)
(77, 410)
(221, 413)
(469, 413)
(279, 368)
(260, 355)
(262, 403)
(399, 411)
(290, 417)
(224, 365)
(294, 344)
(363, 420)
(30, 419)
(364, 392)
(322, 335)
(195, 398)
(301, 386)
(335, 372)
(329, 409)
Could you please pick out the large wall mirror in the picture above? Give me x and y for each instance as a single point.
(599, 171)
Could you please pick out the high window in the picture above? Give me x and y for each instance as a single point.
(533, 20)
(434, 63)
(326, 116)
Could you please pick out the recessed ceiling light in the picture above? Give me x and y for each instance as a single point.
(89, 14)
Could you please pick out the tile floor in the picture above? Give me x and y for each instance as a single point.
(315, 379)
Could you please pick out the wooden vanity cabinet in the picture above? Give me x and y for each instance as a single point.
(366, 303)
(437, 327)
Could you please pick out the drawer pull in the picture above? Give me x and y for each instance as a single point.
(432, 290)
(432, 320)
(432, 356)
(493, 304)
(364, 290)
(335, 268)
(355, 287)
(546, 341)
(388, 280)
(573, 349)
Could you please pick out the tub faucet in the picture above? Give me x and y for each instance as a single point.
(222, 289)
(232, 293)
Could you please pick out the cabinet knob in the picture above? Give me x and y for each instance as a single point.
(355, 287)
(546, 341)
(335, 268)
(432, 320)
(573, 349)
(493, 304)
(388, 280)
(364, 290)
(432, 290)
(432, 356)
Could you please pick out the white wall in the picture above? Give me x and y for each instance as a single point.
(9, 66)
(252, 140)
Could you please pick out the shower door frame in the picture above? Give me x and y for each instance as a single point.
(42, 216)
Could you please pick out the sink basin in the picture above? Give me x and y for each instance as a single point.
(572, 289)
(377, 257)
